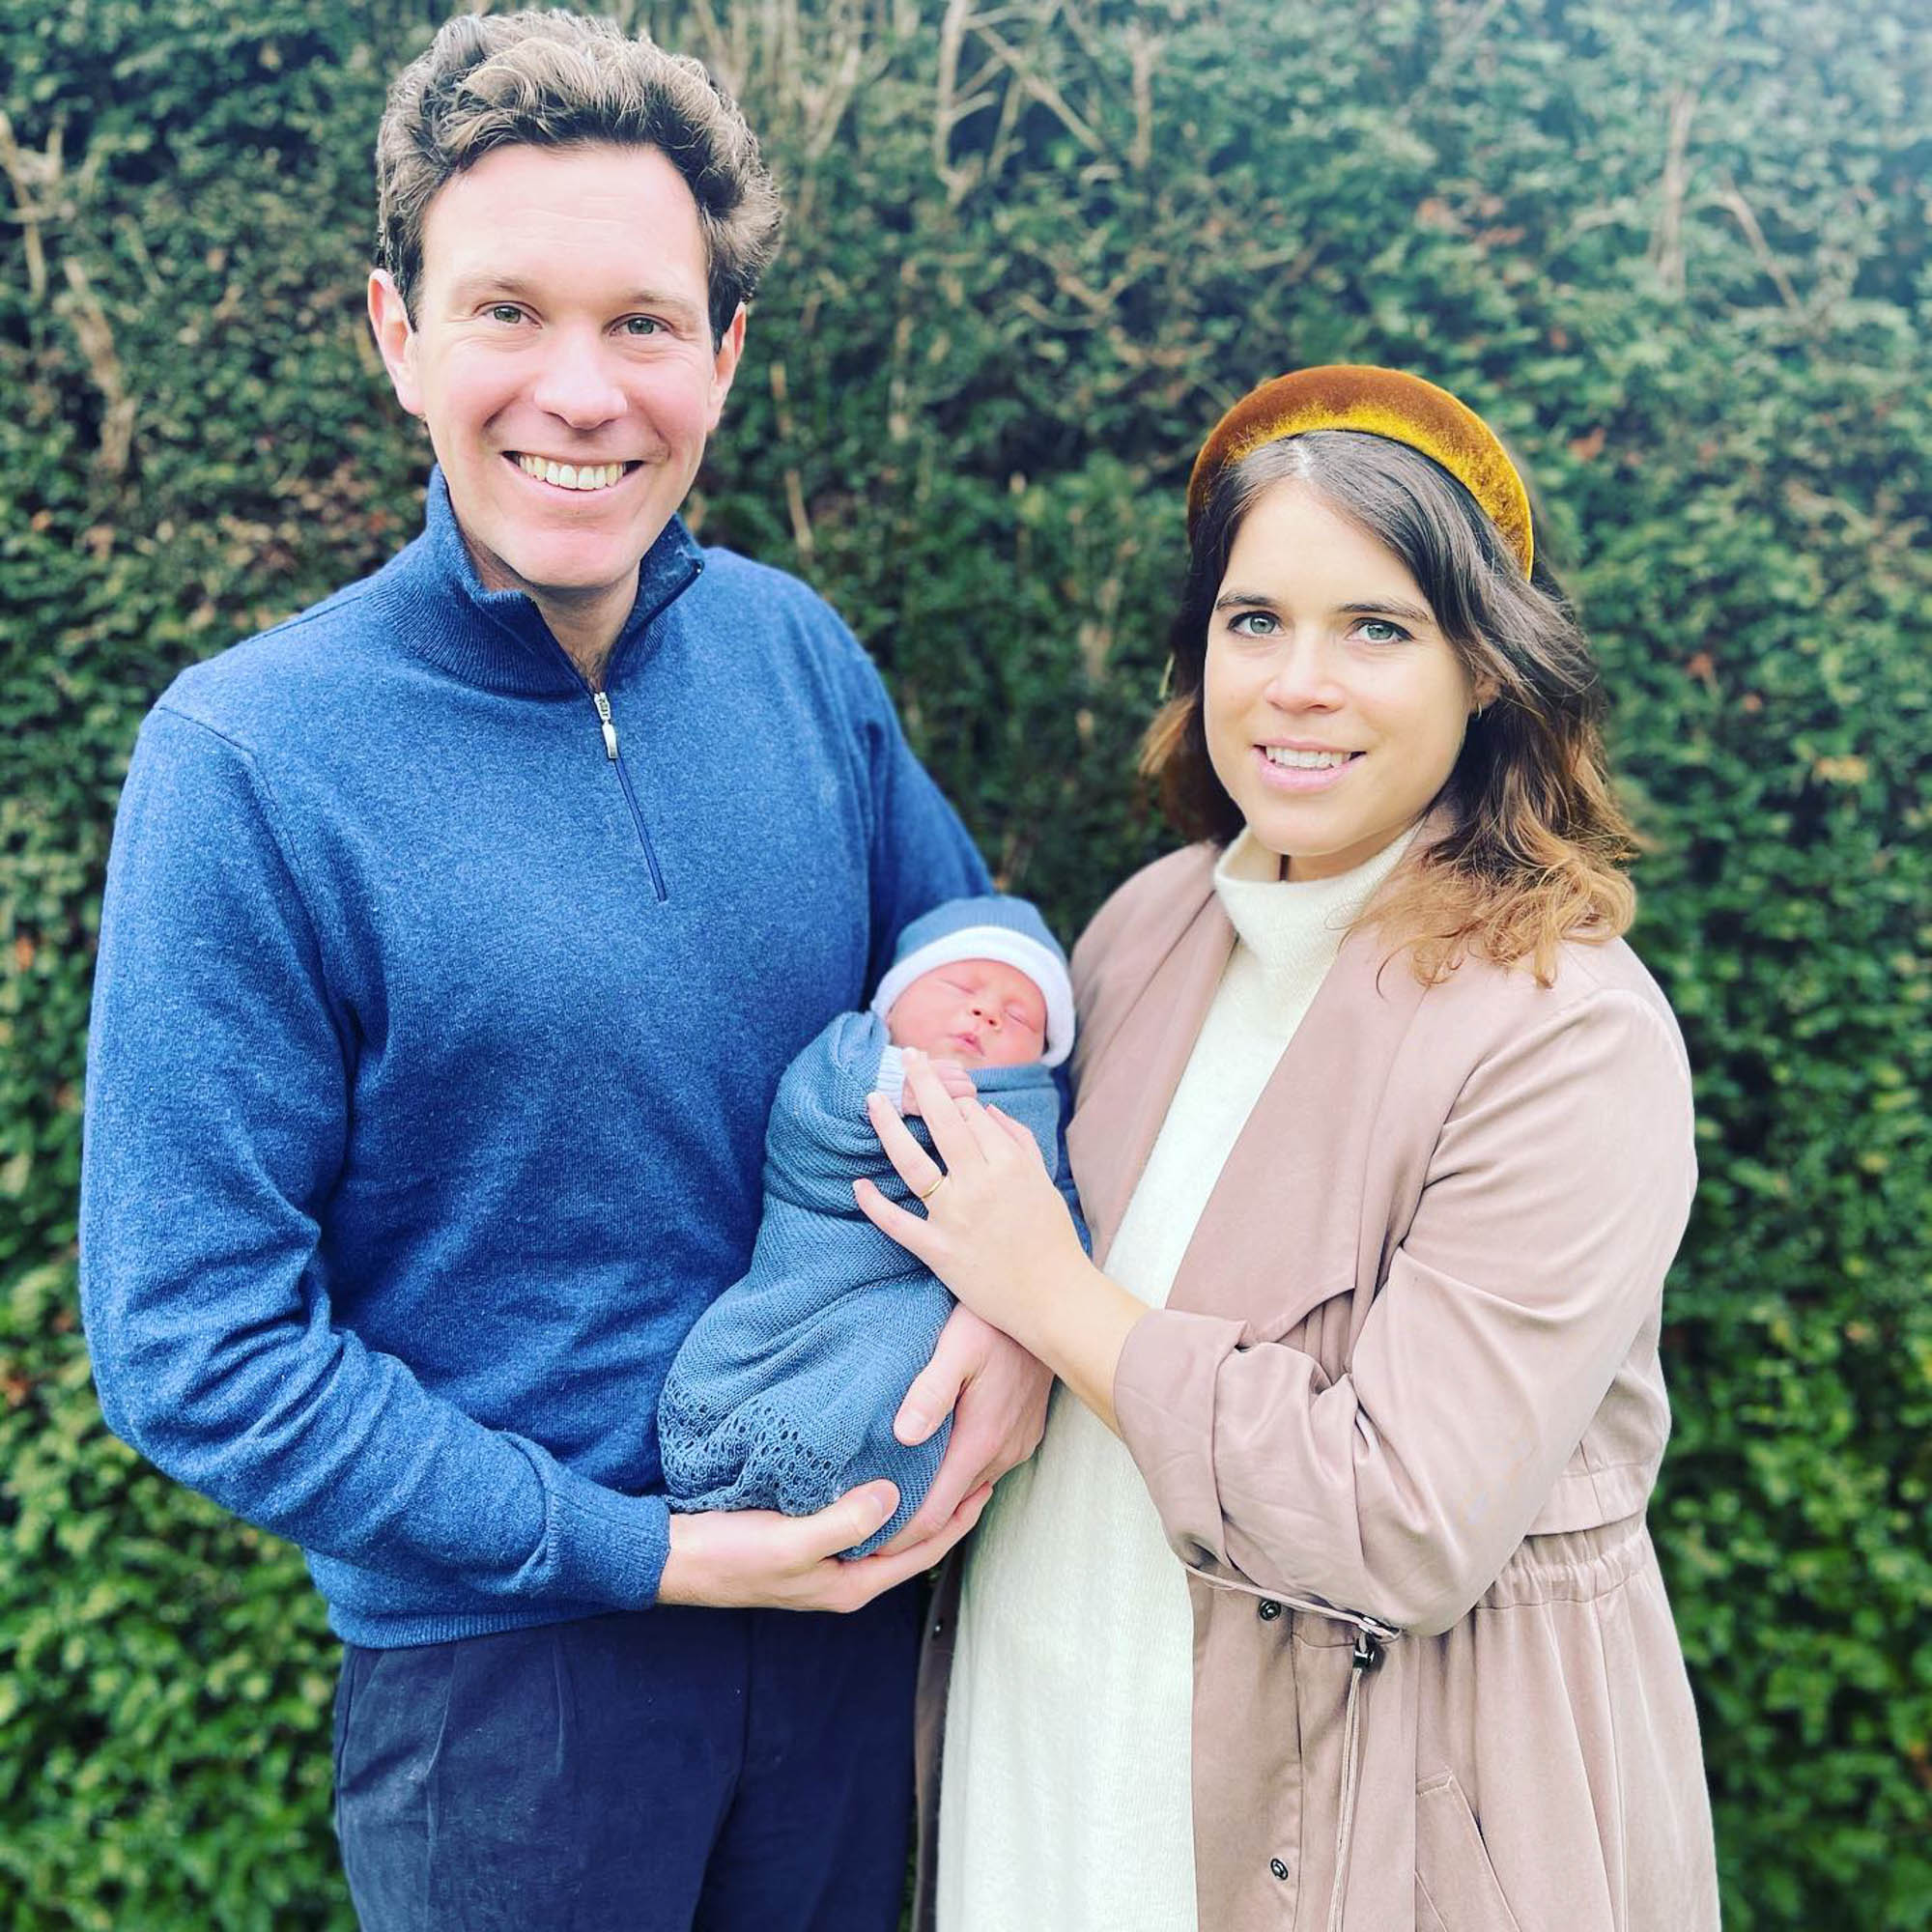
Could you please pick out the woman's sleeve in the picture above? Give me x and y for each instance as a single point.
(1553, 1207)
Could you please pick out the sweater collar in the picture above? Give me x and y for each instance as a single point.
(1295, 927)
(497, 639)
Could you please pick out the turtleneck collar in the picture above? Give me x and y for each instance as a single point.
(1294, 926)
(497, 639)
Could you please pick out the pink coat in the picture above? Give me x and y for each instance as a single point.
(1401, 1417)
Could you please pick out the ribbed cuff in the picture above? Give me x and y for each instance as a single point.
(891, 1078)
(601, 1545)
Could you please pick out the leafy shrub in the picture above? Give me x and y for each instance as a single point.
(1680, 257)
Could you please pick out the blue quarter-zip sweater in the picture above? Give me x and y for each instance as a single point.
(439, 1010)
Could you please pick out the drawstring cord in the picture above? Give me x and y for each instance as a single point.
(1367, 1654)
(1371, 1638)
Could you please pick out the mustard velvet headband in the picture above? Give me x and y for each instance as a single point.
(1380, 402)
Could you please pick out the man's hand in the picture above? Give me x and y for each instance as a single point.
(996, 1394)
(757, 1559)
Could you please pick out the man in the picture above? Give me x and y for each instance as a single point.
(457, 932)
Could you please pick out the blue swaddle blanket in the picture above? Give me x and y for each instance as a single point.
(783, 1394)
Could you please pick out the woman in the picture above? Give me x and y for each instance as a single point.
(1385, 1139)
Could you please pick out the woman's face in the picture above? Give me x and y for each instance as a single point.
(1334, 708)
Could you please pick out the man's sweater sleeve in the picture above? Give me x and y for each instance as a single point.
(217, 1102)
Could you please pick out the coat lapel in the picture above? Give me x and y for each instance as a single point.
(1282, 1232)
(1126, 1089)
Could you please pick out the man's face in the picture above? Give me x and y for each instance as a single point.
(562, 359)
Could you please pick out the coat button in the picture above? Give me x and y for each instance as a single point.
(1270, 1609)
(1276, 1866)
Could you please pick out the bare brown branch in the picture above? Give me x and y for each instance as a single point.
(96, 337)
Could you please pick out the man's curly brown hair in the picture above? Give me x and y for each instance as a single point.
(556, 79)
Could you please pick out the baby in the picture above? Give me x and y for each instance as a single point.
(783, 1396)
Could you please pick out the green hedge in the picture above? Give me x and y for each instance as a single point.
(1680, 255)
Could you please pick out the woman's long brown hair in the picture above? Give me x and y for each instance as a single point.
(1536, 846)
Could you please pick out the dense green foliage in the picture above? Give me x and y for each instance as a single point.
(1679, 254)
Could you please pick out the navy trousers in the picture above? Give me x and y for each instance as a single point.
(675, 1771)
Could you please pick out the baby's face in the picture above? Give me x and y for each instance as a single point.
(981, 1012)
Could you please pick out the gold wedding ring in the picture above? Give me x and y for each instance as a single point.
(926, 1193)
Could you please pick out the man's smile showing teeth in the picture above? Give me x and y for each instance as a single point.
(572, 475)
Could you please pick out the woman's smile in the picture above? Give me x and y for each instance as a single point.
(1291, 769)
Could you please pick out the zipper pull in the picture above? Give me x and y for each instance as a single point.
(603, 706)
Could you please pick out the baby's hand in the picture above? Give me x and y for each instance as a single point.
(952, 1076)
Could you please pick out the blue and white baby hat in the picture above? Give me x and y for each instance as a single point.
(998, 928)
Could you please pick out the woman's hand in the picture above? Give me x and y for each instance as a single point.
(757, 1559)
(998, 1235)
(995, 1224)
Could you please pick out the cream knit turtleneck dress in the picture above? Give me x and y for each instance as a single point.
(1065, 1803)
